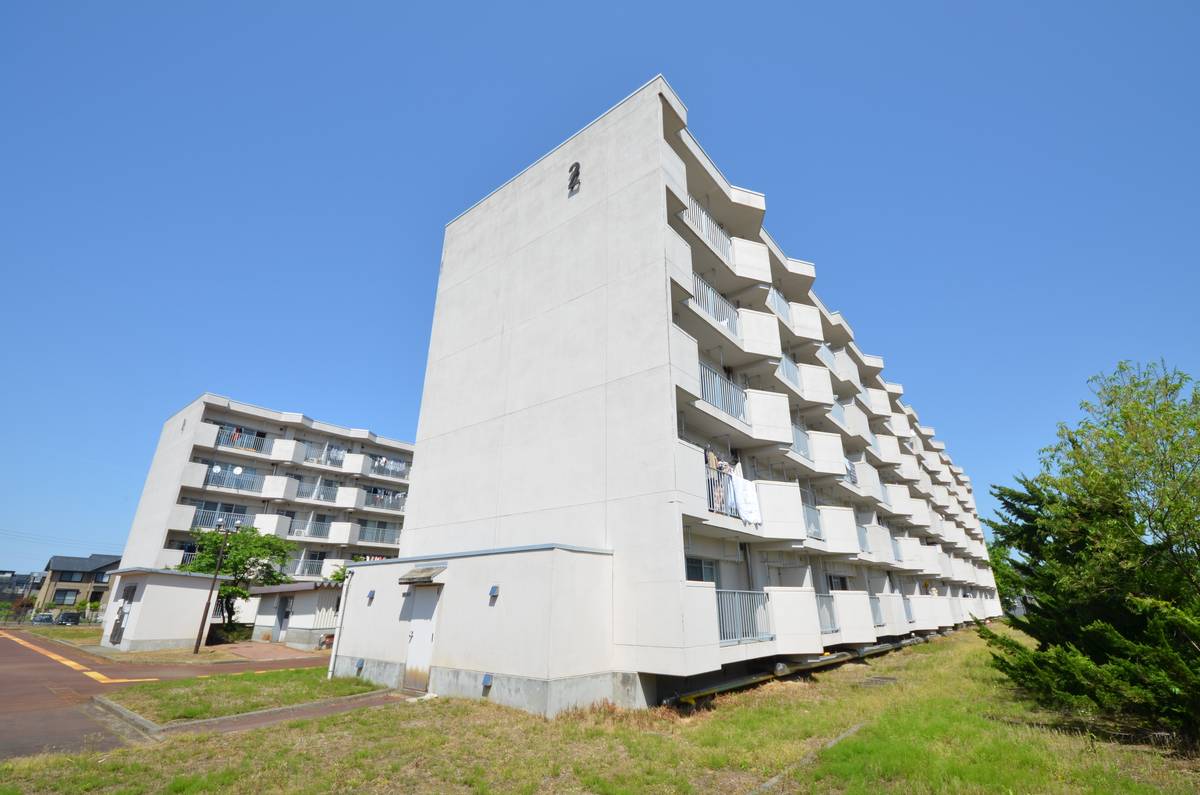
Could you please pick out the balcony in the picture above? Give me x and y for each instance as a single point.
(864, 540)
(827, 614)
(208, 519)
(743, 617)
(780, 306)
(721, 498)
(810, 382)
(877, 612)
(390, 468)
(186, 558)
(305, 568)
(724, 394)
(313, 490)
(707, 228)
(310, 529)
(378, 535)
(715, 305)
(241, 439)
(392, 501)
(325, 455)
(908, 610)
(233, 477)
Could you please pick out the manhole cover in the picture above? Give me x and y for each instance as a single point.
(878, 681)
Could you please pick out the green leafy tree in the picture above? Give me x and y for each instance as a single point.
(250, 558)
(1108, 543)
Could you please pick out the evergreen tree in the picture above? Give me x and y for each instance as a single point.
(1108, 543)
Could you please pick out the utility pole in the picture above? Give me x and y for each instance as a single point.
(212, 586)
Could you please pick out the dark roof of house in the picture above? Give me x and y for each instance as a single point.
(90, 563)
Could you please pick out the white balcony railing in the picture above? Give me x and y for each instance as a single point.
(800, 444)
(876, 611)
(864, 543)
(790, 372)
(378, 535)
(827, 613)
(706, 226)
(838, 412)
(851, 475)
(205, 518)
(719, 391)
(743, 616)
(908, 611)
(327, 454)
(812, 519)
(897, 555)
(389, 468)
(384, 499)
(230, 436)
(225, 477)
(308, 568)
(780, 305)
(825, 355)
(717, 306)
(312, 529)
(312, 490)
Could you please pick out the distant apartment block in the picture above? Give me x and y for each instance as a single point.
(339, 493)
(71, 583)
(650, 455)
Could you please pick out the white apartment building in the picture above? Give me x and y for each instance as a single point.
(338, 493)
(650, 456)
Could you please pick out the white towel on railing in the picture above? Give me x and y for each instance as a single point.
(746, 494)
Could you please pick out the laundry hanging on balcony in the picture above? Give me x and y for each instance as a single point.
(746, 495)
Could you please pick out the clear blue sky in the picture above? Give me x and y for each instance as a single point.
(248, 198)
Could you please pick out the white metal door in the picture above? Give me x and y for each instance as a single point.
(423, 599)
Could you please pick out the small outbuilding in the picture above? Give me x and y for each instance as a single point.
(156, 609)
(302, 615)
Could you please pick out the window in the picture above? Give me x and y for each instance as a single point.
(838, 582)
(101, 576)
(70, 576)
(704, 570)
(64, 596)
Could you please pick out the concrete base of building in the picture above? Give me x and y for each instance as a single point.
(153, 644)
(547, 697)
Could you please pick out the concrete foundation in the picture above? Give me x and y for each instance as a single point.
(547, 697)
(381, 672)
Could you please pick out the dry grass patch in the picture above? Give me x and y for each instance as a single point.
(948, 724)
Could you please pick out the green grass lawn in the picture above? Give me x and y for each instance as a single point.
(948, 724)
(78, 636)
(232, 694)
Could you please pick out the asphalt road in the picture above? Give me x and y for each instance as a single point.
(46, 690)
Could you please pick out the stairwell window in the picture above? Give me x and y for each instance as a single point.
(704, 570)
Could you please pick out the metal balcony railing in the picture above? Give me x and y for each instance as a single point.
(312, 529)
(851, 473)
(827, 613)
(743, 616)
(876, 611)
(229, 436)
(780, 305)
(838, 413)
(800, 444)
(378, 535)
(719, 391)
(206, 518)
(390, 468)
(707, 227)
(388, 500)
(827, 358)
(812, 521)
(715, 305)
(308, 568)
(246, 481)
(187, 558)
(908, 611)
(720, 492)
(312, 490)
(329, 455)
(864, 543)
(897, 555)
(790, 372)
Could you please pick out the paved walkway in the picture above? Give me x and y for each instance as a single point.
(46, 689)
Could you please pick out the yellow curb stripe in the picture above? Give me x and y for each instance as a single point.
(74, 666)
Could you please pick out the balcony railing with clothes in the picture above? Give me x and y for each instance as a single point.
(827, 613)
(226, 478)
(743, 616)
(706, 226)
(327, 454)
(311, 529)
(719, 391)
(208, 518)
(877, 611)
(864, 543)
(389, 468)
(229, 436)
(721, 498)
(780, 305)
(800, 444)
(715, 305)
(378, 535)
(382, 499)
(908, 611)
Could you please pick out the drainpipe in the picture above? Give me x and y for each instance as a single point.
(337, 633)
